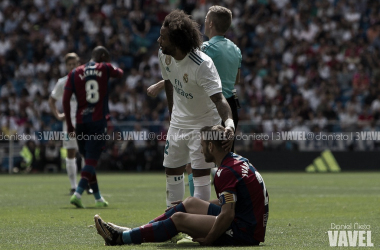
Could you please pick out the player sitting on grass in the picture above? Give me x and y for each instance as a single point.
(238, 217)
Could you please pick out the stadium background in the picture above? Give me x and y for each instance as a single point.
(307, 66)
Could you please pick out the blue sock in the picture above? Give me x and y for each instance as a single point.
(82, 185)
(86, 175)
(95, 189)
(79, 189)
(156, 232)
(179, 208)
(191, 184)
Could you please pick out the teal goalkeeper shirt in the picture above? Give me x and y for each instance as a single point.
(227, 59)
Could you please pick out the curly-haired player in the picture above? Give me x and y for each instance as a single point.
(194, 92)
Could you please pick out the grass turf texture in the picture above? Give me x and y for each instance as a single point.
(35, 212)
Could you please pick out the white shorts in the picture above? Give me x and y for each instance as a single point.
(69, 143)
(183, 146)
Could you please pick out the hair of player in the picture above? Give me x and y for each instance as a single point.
(70, 56)
(184, 32)
(100, 54)
(216, 140)
(221, 17)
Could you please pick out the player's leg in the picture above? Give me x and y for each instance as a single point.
(200, 168)
(190, 177)
(175, 186)
(94, 148)
(158, 231)
(70, 144)
(189, 205)
(83, 182)
(176, 156)
(71, 168)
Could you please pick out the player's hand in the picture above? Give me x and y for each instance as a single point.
(229, 135)
(153, 90)
(61, 117)
(203, 241)
(174, 203)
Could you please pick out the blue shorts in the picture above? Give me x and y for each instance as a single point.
(91, 138)
(233, 235)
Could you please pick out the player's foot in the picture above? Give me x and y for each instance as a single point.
(76, 201)
(89, 190)
(110, 235)
(186, 240)
(103, 203)
(178, 237)
(72, 191)
(119, 228)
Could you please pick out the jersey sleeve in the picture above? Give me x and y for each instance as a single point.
(240, 56)
(114, 72)
(207, 77)
(206, 49)
(162, 66)
(57, 92)
(228, 181)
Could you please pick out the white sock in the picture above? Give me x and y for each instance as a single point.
(202, 187)
(78, 195)
(101, 199)
(175, 188)
(71, 168)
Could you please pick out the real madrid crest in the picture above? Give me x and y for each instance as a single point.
(168, 60)
(185, 77)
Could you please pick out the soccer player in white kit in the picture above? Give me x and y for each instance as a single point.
(71, 61)
(194, 93)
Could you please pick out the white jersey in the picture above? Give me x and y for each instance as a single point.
(194, 80)
(57, 94)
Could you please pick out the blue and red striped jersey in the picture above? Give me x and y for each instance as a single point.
(236, 175)
(89, 83)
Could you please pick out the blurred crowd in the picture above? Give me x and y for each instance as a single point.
(311, 65)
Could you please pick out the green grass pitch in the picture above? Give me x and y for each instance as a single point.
(35, 212)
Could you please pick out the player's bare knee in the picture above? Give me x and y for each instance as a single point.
(201, 172)
(178, 218)
(191, 204)
(188, 202)
(188, 168)
(71, 153)
(175, 171)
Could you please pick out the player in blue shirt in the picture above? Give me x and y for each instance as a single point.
(238, 217)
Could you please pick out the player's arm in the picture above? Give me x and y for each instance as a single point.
(169, 94)
(115, 72)
(225, 113)
(156, 88)
(54, 110)
(222, 106)
(224, 219)
(66, 104)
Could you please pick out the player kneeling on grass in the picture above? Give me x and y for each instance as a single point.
(238, 217)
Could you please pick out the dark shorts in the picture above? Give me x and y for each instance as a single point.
(91, 138)
(232, 102)
(233, 235)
